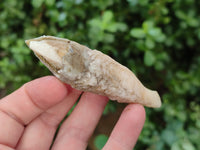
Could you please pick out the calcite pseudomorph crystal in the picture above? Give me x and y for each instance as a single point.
(91, 70)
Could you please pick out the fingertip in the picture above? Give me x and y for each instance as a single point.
(46, 91)
(135, 111)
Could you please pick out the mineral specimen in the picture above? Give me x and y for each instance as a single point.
(91, 70)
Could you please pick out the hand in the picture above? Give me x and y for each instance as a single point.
(30, 116)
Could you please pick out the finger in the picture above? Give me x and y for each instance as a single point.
(3, 147)
(46, 124)
(22, 106)
(79, 126)
(127, 129)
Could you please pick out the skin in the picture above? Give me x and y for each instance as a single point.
(30, 116)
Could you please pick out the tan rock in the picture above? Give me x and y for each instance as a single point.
(91, 70)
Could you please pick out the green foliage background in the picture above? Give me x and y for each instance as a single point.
(157, 39)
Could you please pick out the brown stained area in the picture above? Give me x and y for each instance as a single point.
(76, 59)
(61, 47)
(69, 51)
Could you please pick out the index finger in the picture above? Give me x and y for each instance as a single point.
(25, 104)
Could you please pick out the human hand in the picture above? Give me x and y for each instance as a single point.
(30, 116)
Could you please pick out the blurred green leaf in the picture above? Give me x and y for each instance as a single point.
(155, 32)
(100, 141)
(37, 3)
(149, 43)
(149, 58)
(143, 2)
(183, 145)
(147, 25)
(107, 17)
(159, 65)
(137, 33)
(169, 137)
(110, 107)
(62, 16)
(49, 2)
(133, 2)
(100, 26)
(180, 14)
(78, 1)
